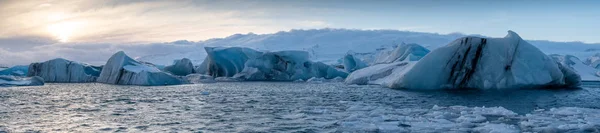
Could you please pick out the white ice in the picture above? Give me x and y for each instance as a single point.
(122, 69)
(7, 80)
(485, 63)
(64, 71)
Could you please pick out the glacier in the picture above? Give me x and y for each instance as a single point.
(123, 70)
(15, 71)
(181, 67)
(286, 66)
(64, 71)
(586, 72)
(7, 80)
(486, 63)
(388, 65)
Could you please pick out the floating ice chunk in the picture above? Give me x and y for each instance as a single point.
(352, 63)
(286, 66)
(564, 119)
(122, 69)
(64, 71)
(15, 71)
(389, 67)
(378, 74)
(181, 67)
(586, 72)
(404, 52)
(485, 63)
(6, 80)
(226, 62)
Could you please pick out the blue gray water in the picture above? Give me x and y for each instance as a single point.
(241, 107)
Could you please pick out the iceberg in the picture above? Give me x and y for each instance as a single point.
(181, 67)
(404, 52)
(486, 63)
(6, 80)
(286, 66)
(123, 70)
(15, 71)
(226, 62)
(593, 61)
(352, 63)
(573, 63)
(64, 71)
(388, 65)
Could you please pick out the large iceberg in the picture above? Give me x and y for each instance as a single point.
(181, 67)
(586, 72)
(15, 71)
(286, 66)
(64, 71)
(6, 80)
(226, 62)
(486, 63)
(388, 65)
(123, 70)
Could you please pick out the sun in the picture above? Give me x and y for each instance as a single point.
(63, 31)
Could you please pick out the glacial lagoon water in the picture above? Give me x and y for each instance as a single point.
(291, 107)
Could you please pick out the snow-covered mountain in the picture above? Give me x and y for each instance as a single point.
(329, 45)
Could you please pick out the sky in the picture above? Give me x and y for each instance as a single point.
(36, 30)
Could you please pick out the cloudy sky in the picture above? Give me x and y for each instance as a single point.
(86, 30)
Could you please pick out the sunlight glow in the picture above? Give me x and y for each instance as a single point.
(64, 30)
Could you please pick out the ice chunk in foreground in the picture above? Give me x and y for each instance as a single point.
(20, 81)
(352, 63)
(388, 68)
(64, 71)
(15, 71)
(485, 63)
(586, 72)
(123, 70)
(286, 66)
(226, 62)
(181, 67)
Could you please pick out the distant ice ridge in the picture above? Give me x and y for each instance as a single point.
(123, 70)
(586, 72)
(15, 71)
(7, 80)
(64, 71)
(486, 63)
(389, 65)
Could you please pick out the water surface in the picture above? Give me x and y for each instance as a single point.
(249, 106)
